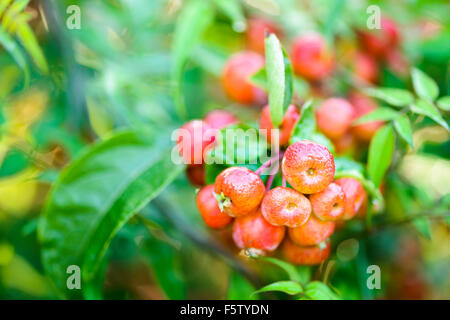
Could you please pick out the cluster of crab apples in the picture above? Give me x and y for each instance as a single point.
(301, 214)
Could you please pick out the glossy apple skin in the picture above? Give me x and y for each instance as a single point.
(308, 256)
(308, 166)
(283, 206)
(329, 204)
(354, 196)
(244, 189)
(253, 231)
(313, 232)
(209, 209)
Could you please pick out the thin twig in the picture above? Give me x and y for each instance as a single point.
(208, 243)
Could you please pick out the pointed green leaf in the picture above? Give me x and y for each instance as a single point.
(317, 290)
(260, 79)
(287, 267)
(289, 287)
(392, 96)
(279, 79)
(425, 86)
(426, 108)
(95, 196)
(403, 127)
(13, 11)
(240, 288)
(380, 154)
(444, 103)
(379, 114)
(29, 41)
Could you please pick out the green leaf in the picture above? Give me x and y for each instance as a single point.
(16, 8)
(380, 154)
(306, 124)
(290, 269)
(29, 41)
(236, 144)
(95, 196)
(99, 118)
(425, 86)
(279, 78)
(392, 96)
(233, 9)
(195, 18)
(289, 287)
(260, 79)
(426, 108)
(403, 127)
(3, 5)
(379, 114)
(317, 290)
(239, 288)
(444, 103)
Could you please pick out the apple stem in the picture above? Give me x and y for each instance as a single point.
(269, 162)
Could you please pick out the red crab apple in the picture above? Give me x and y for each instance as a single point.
(363, 105)
(310, 255)
(219, 119)
(313, 232)
(311, 57)
(377, 42)
(308, 166)
(283, 206)
(253, 231)
(354, 196)
(209, 209)
(328, 204)
(256, 31)
(236, 78)
(196, 174)
(239, 191)
(334, 117)
(194, 138)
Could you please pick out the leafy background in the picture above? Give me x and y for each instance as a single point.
(86, 176)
